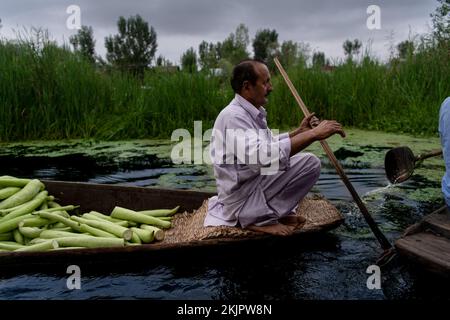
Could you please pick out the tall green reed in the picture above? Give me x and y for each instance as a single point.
(49, 92)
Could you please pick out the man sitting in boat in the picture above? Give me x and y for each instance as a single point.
(444, 132)
(251, 193)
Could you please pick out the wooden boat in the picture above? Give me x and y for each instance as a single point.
(187, 231)
(427, 244)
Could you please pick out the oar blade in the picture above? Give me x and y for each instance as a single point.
(399, 164)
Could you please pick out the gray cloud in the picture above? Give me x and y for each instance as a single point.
(180, 24)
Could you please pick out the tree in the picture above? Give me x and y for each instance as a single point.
(160, 61)
(318, 59)
(163, 62)
(242, 39)
(304, 51)
(351, 48)
(441, 21)
(265, 44)
(348, 47)
(234, 47)
(84, 43)
(133, 49)
(289, 53)
(208, 55)
(405, 49)
(189, 60)
(293, 53)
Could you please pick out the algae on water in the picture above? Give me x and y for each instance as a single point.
(359, 153)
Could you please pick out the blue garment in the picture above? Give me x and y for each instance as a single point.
(444, 132)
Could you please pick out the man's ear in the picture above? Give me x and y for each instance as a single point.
(245, 84)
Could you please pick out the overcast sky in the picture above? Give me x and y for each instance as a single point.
(180, 24)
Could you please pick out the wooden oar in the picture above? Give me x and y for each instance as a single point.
(385, 244)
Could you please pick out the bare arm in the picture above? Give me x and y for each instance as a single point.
(303, 136)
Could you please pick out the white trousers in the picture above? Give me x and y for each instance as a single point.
(278, 195)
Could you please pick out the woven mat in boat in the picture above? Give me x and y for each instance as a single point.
(188, 226)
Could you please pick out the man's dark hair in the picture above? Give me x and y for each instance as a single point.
(244, 71)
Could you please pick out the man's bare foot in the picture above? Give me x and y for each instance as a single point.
(293, 220)
(275, 229)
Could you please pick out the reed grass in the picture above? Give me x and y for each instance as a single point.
(49, 92)
(402, 97)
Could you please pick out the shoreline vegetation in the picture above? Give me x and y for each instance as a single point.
(54, 93)
(50, 92)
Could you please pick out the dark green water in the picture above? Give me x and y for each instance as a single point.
(326, 267)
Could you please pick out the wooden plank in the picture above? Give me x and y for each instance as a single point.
(428, 250)
(103, 197)
(432, 246)
(438, 223)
